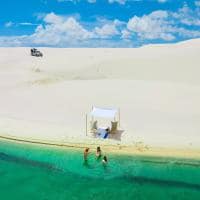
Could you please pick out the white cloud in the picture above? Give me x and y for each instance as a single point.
(166, 25)
(14, 41)
(197, 3)
(53, 19)
(152, 26)
(60, 31)
(65, 31)
(76, 1)
(187, 16)
(68, 31)
(117, 1)
(106, 31)
(122, 2)
(27, 24)
(187, 33)
(162, 1)
(125, 34)
(91, 1)
(9, 24)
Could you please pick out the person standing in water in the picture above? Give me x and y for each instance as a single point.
(98, 152)
(86, 153)
(105, 160)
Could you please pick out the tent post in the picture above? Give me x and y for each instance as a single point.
(86, 124)
(119, 117)
(92, 116)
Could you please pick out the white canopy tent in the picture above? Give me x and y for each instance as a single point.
(103, 113)
(106, 113)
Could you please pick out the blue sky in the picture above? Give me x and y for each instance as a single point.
(97, 23)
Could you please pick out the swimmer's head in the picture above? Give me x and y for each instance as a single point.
(87, 149)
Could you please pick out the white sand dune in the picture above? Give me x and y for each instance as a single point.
(157, 88)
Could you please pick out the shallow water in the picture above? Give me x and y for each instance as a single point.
(44, 173)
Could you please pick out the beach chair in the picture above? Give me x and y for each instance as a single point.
(93, 127)
(114, 126)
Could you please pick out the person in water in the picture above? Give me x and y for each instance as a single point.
(105, 160)
(85, 154)
(98, 153)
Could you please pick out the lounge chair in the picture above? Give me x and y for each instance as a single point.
(114, 126)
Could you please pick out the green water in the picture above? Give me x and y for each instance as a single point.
(32, 172)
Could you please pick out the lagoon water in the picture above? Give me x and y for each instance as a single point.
(45, 173)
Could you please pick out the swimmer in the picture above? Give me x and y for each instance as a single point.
(85, 154)
(105, 160)
(98, 153)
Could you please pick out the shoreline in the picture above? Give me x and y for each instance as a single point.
(138, 149)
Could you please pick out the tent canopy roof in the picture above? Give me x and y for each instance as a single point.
(103, 112)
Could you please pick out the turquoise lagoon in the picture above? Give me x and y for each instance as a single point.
(36, 172)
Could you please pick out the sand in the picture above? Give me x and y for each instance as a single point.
(156, 87)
